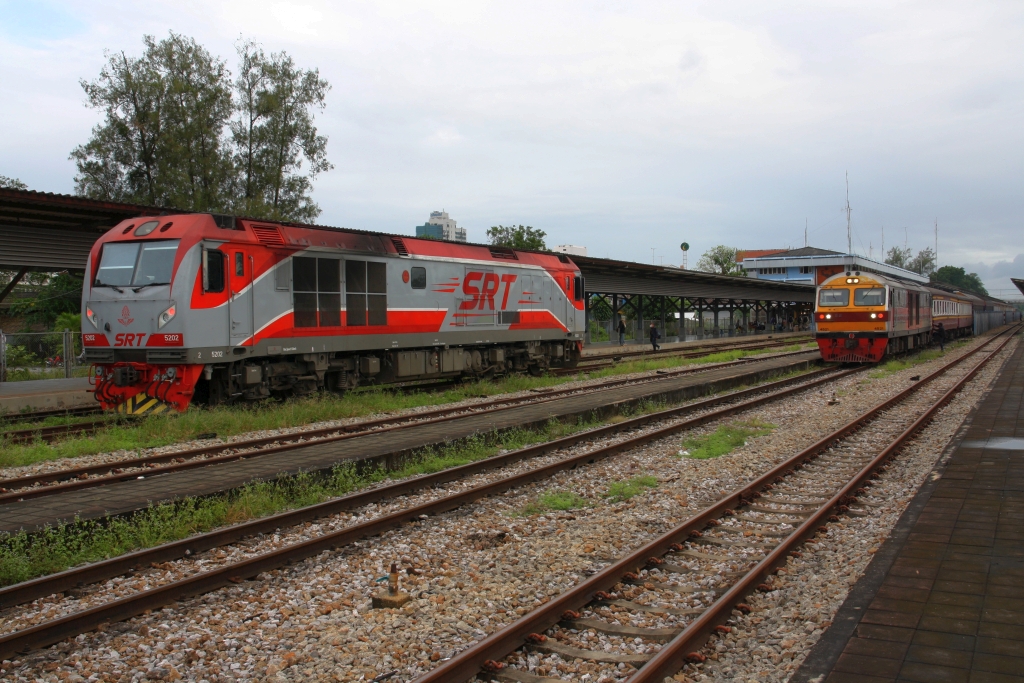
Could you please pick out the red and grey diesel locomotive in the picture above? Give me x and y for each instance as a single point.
(215, 309)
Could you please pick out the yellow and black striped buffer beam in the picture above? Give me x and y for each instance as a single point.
(142, 404)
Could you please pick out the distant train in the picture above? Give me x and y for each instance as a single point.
(863, 317)
(215, 309)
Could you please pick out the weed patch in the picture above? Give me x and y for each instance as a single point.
(724, 440)
(554, 500)
(624, 490)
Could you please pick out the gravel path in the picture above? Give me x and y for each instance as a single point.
(470, 571)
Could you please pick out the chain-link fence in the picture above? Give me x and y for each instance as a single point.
(40, 355)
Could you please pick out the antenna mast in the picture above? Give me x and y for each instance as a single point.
(936, 244)
(883, 242)
(849, 233)
(805, 232)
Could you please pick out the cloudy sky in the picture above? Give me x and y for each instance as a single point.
(626, 127)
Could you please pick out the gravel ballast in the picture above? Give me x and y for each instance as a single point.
(477, 568)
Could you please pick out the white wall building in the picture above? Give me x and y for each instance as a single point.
(449, 230)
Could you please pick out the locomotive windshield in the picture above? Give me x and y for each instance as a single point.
(834, 297)
(869, 297)
(136, 264)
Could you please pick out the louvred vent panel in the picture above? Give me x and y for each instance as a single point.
(268, 234)
(504, 252)
(400, 246)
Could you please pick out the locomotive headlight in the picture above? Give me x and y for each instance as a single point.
(874, 315)
(828, 316)
(91, 316)
(166, 316)
(849, 280)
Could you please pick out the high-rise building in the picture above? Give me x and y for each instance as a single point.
(440, 226)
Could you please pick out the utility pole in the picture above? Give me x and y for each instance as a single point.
(849, 233)
(936, 244)
(805, 232)
(883, 242)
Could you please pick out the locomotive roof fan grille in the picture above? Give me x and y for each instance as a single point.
(268, 234)
(400, 246)
(504, 252)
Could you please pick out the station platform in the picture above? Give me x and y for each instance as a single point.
(383, 446)
(603, 348)
(943, 599)
(45, 394)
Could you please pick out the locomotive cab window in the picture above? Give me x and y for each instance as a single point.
(869, 297)
(419, 277)
(239, 264)
(834, 297)
(213, 270)
(136, 264)
(366, 298)
(577, 288)
(317, 291)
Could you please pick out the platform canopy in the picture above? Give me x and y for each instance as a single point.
(608, 276)
(42, 231)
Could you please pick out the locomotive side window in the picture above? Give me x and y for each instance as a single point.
(366, 299)
(328, 281)
(577, 287)
(317, 291)
(834, 297)
(869, 297)
(239, 264)
(213, 270)
(419, 277)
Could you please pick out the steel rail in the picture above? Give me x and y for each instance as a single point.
(105, 569)
(59, 629)
(499, 644)
(285, 442)
(703, 350)
(673, 655)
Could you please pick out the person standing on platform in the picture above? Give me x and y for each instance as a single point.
(941, 334)
(622, 332)
(654, 337)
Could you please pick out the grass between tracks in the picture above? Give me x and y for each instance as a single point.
(24, 556)
(902, 363)
(161, 430)
(725, 439)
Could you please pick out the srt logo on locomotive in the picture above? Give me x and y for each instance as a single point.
(483, 296)
(124, 319)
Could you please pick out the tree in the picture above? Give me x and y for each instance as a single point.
(517, 237)
(898, 257)
(12, 183)
(178, 132)
(923, 263)
(59, 293)
(274, 131)
(720, 260)
(958, 277)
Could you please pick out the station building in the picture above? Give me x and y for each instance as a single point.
(812, 266)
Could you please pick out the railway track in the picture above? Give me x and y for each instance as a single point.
(675, 420)
(51, 433)
(690, 577)
(61, 481)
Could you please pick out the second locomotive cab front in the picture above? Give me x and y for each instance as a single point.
(861, 317)
(214, 309)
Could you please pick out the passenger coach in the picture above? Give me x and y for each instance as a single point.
(215, 309)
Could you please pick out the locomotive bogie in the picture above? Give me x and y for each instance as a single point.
(214, 314)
